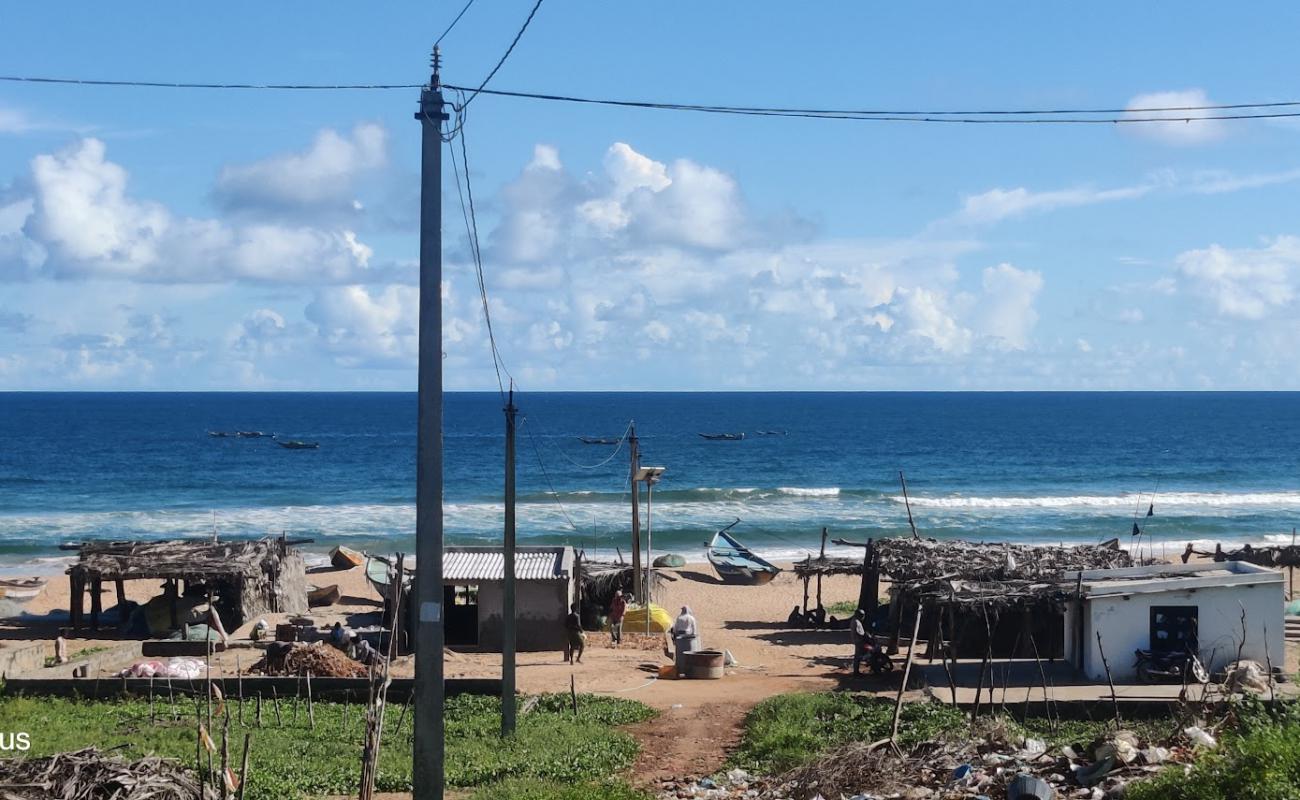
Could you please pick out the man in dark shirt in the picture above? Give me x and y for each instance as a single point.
(577, 638)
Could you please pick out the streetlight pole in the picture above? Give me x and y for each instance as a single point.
(427, 749)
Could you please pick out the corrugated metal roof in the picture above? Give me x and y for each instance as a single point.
(467, 564)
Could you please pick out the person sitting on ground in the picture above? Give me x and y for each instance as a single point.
(817, 616)
(858, 635)
(617, 608)
(576, 636)
(795, 618)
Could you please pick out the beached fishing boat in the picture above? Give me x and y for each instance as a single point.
(380, 571)
(294, 444)
(736, 563)
(596, 440)
(21, 590)
(346, 558)
(723, 437)
(323, 595)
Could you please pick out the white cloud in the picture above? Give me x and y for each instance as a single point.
(82, 223)
(1245, 283)
(1006, 311)
(320, 179)
(999, 204)
(1177, 131)
(361, 327)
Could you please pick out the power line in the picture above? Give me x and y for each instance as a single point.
(506, 55)
(453, 23)
(1045, 117)
(857, 114)
(541, 463)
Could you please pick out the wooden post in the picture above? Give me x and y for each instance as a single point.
(1113, 699)
(908, 503)
(275, 704)
(121, 596)
(806, 579)
(902, 688)
(77, 600)
(96, 601)
(1042, 675)
(243, 767)
(311, 709)
(869, 590)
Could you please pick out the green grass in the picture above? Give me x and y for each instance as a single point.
(297, 761)
(1262, 753)
(842, 609)
(789, 730)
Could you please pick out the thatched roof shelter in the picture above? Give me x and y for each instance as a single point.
(246, 578)
(924, 560)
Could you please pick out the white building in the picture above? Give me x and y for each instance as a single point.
(1167, 607)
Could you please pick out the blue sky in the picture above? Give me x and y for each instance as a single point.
(159, 239)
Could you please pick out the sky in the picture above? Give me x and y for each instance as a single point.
(157, 239)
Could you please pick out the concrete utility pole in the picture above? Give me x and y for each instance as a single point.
(636, 517)
(429, 693)
(508, 595)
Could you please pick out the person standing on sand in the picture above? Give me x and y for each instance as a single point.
(858, 634)
(617, 608)
(577, 637)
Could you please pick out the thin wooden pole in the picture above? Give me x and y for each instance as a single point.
(311, 709)
(1114, 700)
(243, 767)
(907, 502)
(907, 671)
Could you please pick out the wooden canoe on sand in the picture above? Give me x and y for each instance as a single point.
(346, 558)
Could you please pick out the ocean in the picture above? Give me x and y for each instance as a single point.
(1024, 467)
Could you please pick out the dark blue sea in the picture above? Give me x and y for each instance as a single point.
(1035, 467)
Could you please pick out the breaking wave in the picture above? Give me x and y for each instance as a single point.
(1198, 500)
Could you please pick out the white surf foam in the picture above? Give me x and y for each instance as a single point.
(1199, 500)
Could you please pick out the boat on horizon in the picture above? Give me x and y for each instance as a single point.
(597, 440)
(295, 444)
(771, 433)
(254, 434)
(723, 437)
(219, 434)
(737, 564)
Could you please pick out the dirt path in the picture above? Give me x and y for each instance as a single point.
(687, 742)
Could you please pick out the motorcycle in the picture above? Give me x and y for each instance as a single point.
(875, 657)
(1170, 667)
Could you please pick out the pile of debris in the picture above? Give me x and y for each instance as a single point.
(94, 775)
(318, 659)
(986, 766)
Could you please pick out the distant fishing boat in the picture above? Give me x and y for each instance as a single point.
(253, 434)
(723, 437)
(736, 563)
(380, 571)
(220, 434)
(294, 444)
(596, 440)
(21, 590)
(771, 433)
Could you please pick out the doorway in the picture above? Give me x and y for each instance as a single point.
(461, 604)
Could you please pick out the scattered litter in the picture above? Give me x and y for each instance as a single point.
(182, 668)
(1200, 738)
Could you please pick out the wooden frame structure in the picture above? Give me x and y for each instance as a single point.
(245, 578)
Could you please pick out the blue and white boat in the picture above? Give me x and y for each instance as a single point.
(736, 563)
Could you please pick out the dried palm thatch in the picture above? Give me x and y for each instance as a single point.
(92, 774)
(926, 560)
(317, 658)
(600, 579)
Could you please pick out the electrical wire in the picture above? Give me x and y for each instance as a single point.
(1051, 116)
(523, 424)
(611, 457)
(438, 41)
(506, 55)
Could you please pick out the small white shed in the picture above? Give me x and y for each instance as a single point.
(1166, 607)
